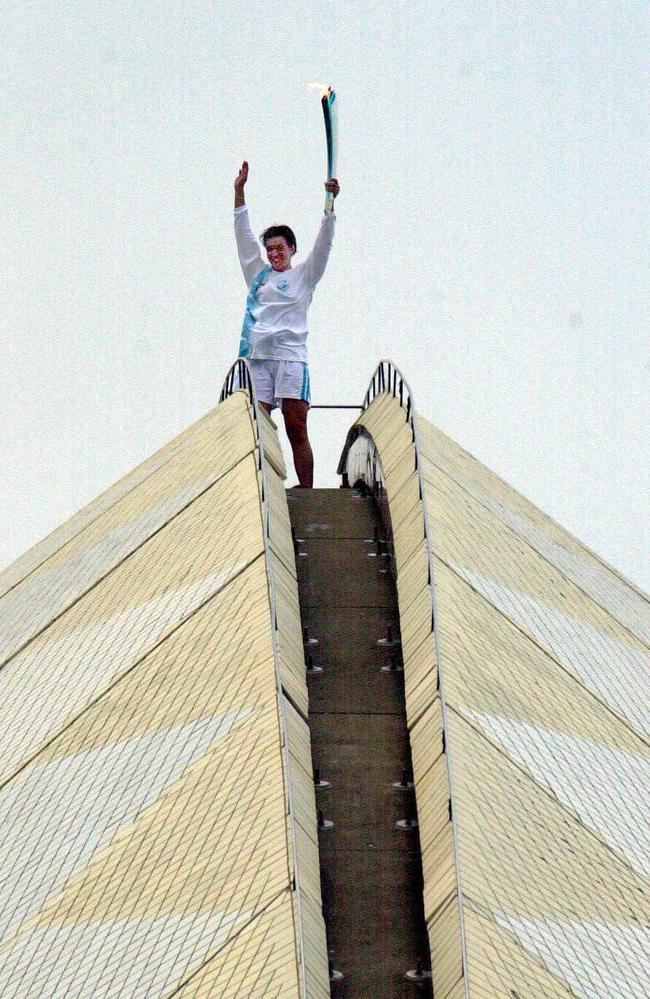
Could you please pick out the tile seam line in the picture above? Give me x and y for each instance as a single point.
(360, 714)
(548, 792)
(101, 514)
(265, 908)
(376, 851)
(344, 605)
(565, 669)
(107, 690)
(123, 561)
(625, 627)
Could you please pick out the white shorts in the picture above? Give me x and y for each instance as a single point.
(278, 380)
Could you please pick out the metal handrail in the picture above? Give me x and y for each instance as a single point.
(240, 373)
(388, 378)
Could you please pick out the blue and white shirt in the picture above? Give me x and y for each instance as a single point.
(275, 324)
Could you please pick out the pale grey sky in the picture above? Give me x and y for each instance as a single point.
(492, 234)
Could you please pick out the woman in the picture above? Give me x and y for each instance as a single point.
(274, 334)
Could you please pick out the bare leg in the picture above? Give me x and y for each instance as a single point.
(295, 421)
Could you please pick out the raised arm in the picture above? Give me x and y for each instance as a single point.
(248, 248)
(316, 262)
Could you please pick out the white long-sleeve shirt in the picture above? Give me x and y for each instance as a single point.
(275, 326)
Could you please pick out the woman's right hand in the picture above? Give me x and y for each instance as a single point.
(241, 177)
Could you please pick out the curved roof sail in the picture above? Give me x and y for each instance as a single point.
(156, 797)
(526, 665)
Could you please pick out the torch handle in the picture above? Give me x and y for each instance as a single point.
(328, 102)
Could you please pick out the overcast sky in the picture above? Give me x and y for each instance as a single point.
(492, 235)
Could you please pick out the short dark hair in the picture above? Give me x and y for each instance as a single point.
(280, 230)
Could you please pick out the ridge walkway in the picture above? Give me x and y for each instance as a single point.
(371, 870)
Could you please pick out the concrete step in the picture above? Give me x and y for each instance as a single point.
(352, 679)
(361, 756)
(331, 513)
(343, 573)
(363, 939)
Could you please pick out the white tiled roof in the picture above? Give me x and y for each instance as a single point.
(151, 763)
(537, 674)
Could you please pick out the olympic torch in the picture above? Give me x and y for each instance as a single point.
(328, 102)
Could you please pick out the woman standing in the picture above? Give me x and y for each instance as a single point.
(274, 333)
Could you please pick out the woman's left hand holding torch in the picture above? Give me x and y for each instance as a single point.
(332, 186)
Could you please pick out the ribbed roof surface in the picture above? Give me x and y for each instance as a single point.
(149, 756)
(541, 884)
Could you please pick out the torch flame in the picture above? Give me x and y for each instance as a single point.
(324, 88)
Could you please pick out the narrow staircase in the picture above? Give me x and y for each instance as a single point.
(371, 870)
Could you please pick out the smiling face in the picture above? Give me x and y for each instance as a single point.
(279, 253)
